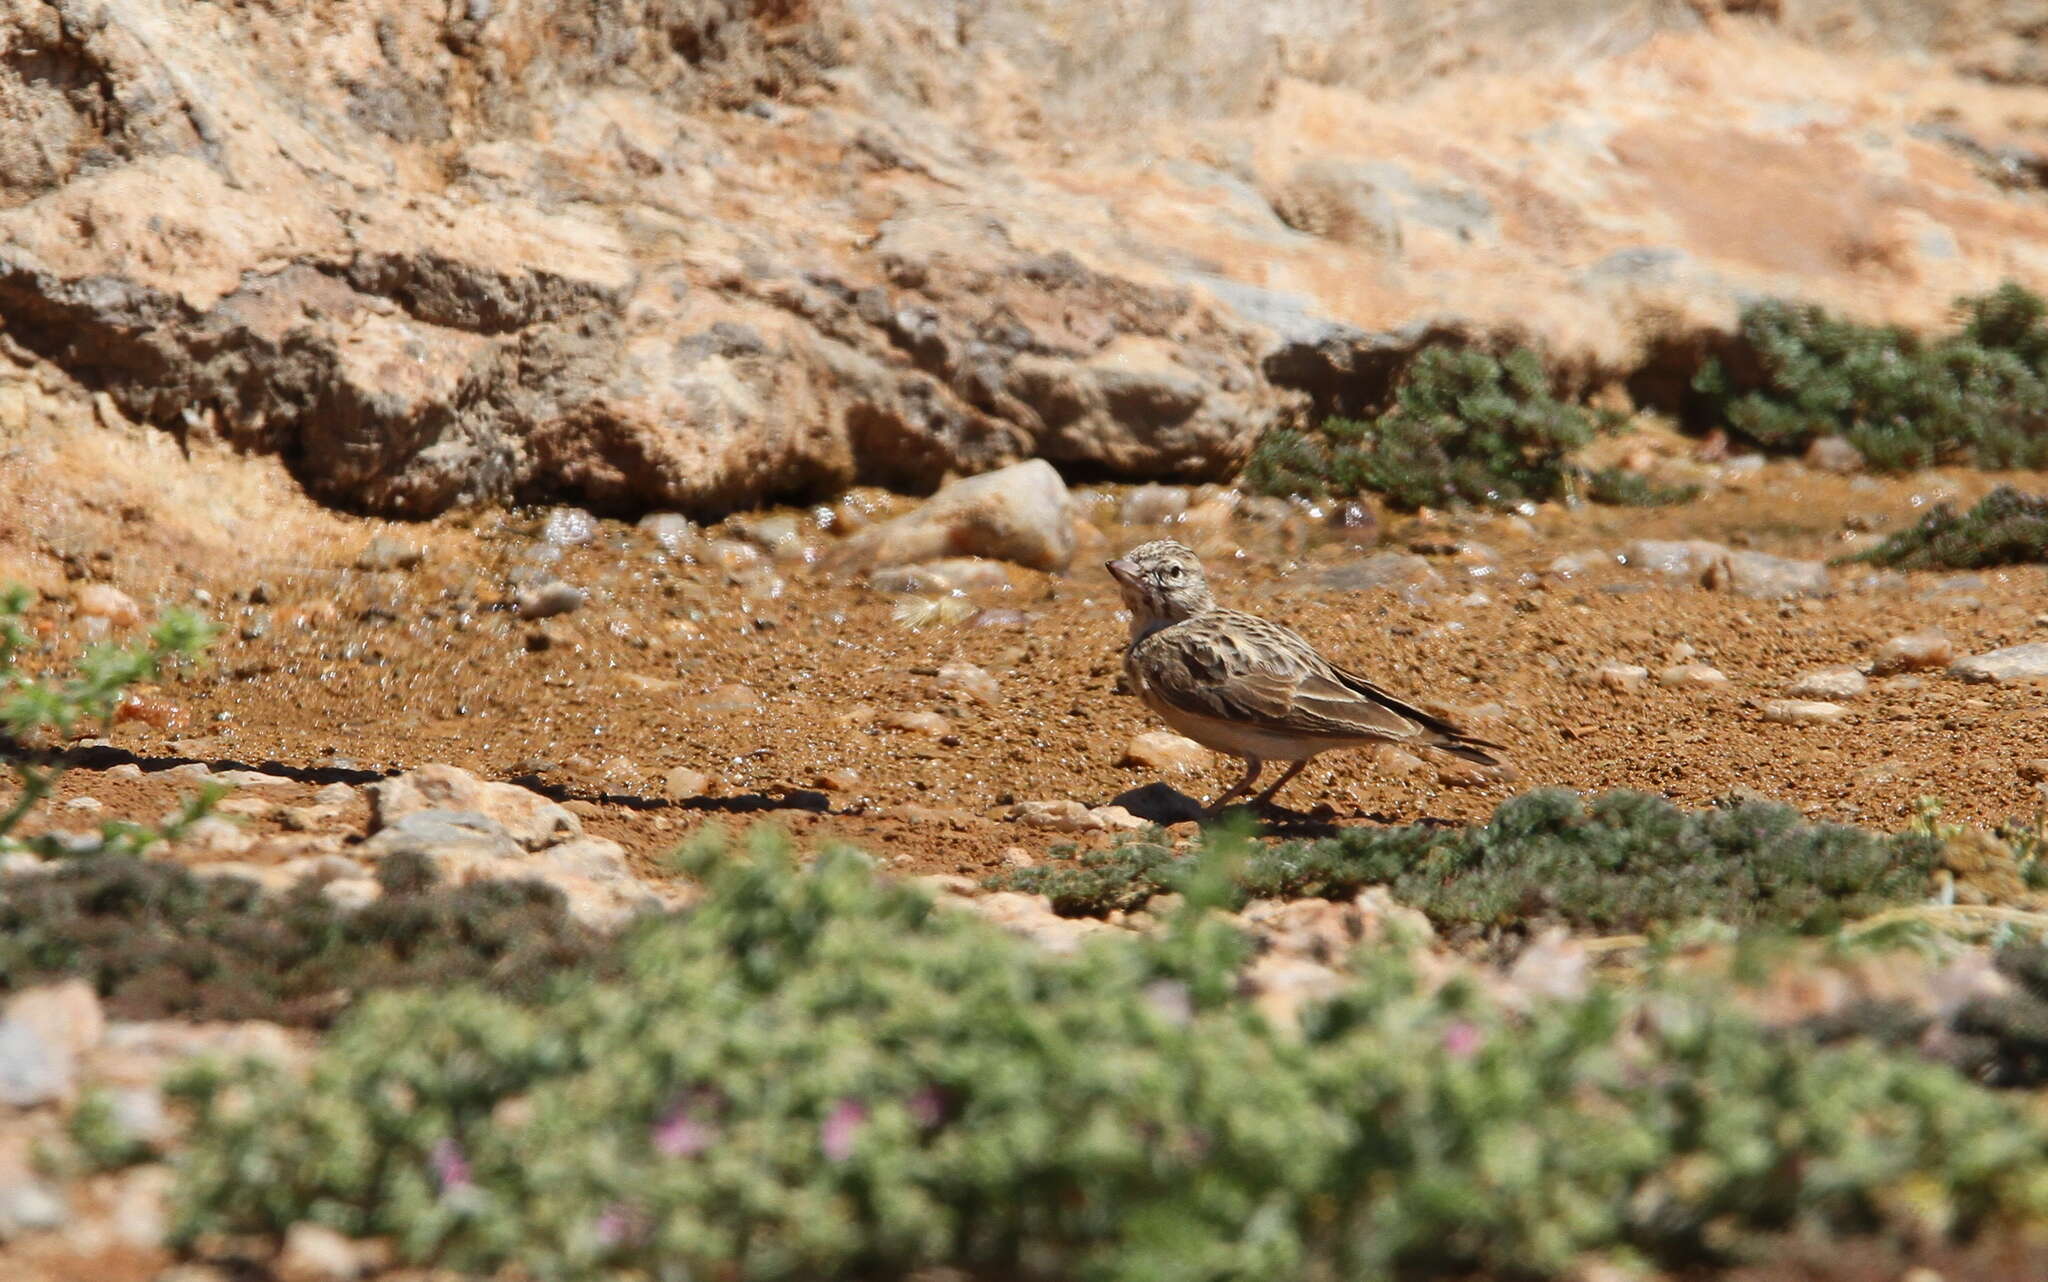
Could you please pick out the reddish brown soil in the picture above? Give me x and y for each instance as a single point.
(344, 673)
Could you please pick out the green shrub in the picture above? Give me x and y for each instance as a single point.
(31, 708)
(1978, 396)
(1465, 428)
(158, 942)
(819, 1075)
(1618, 487)
(2006, 527)
(1624, 861)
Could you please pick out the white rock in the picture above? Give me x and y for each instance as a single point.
(974, 682)
(105, 601)
(1914, 652)
(527, 817)
(1623, 677)
(1164, 751)
(1018, 513)
(2027, 662)
(1692, 675)
(1829, 683)
(1065, 815)
(545, 600)
(315, 1253)
(1803, 712)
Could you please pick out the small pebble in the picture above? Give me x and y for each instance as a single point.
(842, 779)
(967, 679)
(334, 794)
(1164, 751)
(84, 803)
(732, 697)
(683, 783)
(930, 723)
(1914, 652)
(1696, 675)
(1622, 677)
(387, 553)
(1803, 712)
(2035, 770)
(545, 600)
(105, 601)
(568, 526)
(1829, 683)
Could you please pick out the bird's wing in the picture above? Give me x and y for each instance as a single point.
(1243, 669)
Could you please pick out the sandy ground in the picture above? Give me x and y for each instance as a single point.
(330, 672)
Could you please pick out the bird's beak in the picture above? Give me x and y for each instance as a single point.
(1120, 570)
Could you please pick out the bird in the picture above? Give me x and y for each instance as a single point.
(1249, 687)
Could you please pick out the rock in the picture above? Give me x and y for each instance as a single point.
(951, 574)
(1153, 504)
(444, 836)
(842, 779)
(384, 553)
(1914, 652)
(334, 794)
(1574, 565)
(88, 804)
(967, 679)
(315, 1253)
(30, 1206)
(1018, 513)
(928, 723)
(1165, 752)
(2034, 770)
(252, 779)
(1689, 558)
(568, 527)
(1380, 570)
(1621, 677)
(1829, 683)
(546, 600)
(676, 533)
(682, 783)
(730, 699)
(105, 601)
(1032, 917)
(1692, 675)
(216, 836)
(352, 894)
(1803, 712)
(1065, 815)
(141, 1212)
(594, 858)
(1117, 819)
(2028, 662)
(1834, 454)
(525, 817)
(43, 1033)
(1018, 857)
(1767, 578)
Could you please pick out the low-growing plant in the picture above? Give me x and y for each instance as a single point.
(2005, 527)
(819, 1074)
(157, 942)
(31, 708)
(1979, 395)
(1623, 861)
(1465, 428)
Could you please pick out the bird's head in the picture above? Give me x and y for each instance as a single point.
(1161, 583)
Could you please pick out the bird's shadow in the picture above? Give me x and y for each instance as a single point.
(1166, 805)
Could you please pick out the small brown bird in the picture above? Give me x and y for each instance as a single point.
(1256, 690)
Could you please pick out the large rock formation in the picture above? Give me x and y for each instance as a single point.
(702, 253)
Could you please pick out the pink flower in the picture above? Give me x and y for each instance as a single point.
(619, 1224)
(1462, 1039)
(451, 1168)
(841, 1127)
(681, 1135)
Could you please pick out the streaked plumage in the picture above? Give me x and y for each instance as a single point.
(1243, 685)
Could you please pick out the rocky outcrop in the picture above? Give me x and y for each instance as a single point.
(697, 254)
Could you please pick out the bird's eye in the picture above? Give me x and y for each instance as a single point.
(1173, 571)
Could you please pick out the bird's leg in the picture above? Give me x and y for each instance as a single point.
(1266, 798)
(1252, 766)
